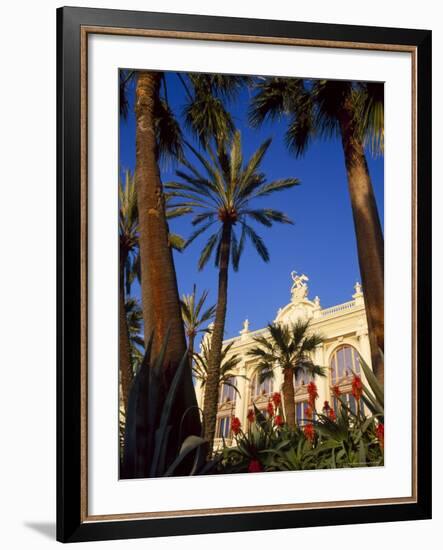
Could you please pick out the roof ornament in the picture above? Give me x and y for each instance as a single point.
(358, 295)
(245, 328)
(299, 289)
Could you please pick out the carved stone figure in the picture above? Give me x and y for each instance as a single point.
(299, 289)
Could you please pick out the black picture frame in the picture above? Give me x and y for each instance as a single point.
(71, 526)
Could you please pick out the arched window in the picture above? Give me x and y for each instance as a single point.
(344, 362)
(302, 378)
(300, 407)
(223, 428)
(227, 392)
(257, 389)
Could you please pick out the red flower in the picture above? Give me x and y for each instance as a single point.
(276, 398)
(308, 411)
(331, 414)
(254, 466)
(309, 432)
(336, 391)
(326, 406)
(278, 420)
(270, 409)
(357, 387)
(313, 394)
(235, 425)
(251, 415)
(380, 433)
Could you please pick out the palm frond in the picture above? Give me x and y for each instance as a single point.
(207, 250)
(370, 113)
(270, 100)
(176, 242)
(207, 118)
(254, 162)
(168, 133)
(198, 232)
(257, 241)
(223, 197)
(177, 211)
(125, 79)
(237, 248)
(191, 308)
(277, 185)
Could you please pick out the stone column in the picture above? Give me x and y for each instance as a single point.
(241, 400)
(278, 379)
(316, 312)
(199, 393)
(363, 341)
(321, 381)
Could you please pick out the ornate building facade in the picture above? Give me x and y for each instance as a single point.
(345, 333)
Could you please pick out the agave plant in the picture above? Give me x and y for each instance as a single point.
(355, 439)
(267, 444)
(154, 444)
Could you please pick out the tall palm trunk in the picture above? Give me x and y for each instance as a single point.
(160, 298)
(289, 397)
(370, 245)
(124, 348)
(213, 378)
(191, 340)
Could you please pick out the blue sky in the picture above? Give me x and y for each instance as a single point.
(321, 243)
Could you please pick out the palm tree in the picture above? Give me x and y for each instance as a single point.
(223, 197)
(160, 300)
(128, 245)
(134, 316)
(159, 291)
(227, 367)
(354, 112)
(194, 317)
(288, 347)
(158, 135)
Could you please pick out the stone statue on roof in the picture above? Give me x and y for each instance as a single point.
(299, 289)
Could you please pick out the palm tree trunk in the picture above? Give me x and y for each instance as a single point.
(289, 397)
(124, 348)
(370, 244)
(160, 298)
(213, 378)
(191, 340)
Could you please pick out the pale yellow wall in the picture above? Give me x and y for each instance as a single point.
(340, 325)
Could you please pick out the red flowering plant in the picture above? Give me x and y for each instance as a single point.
(380, 434)
(250, 452)
(357, 387)
(268, 445)
(309, 432)
(309, 412)
(336, 437)
(276, 399)
(278, 420)
(354, 437)
(313, 394)
(255, 466)
(235, 425)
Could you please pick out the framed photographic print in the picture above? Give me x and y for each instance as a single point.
(244, 271)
